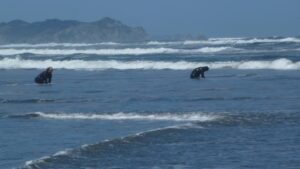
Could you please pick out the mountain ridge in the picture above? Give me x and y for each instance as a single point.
(70, 31)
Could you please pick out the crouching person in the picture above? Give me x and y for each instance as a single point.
(199, 71)
(44, 77)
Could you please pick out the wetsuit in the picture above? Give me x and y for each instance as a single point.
(44, 77)
(199, 71)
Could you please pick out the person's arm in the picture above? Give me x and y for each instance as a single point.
(49, 78)
(202, 74)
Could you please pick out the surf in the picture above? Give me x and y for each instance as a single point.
(19, 63)
(193, 116)
(112, 51)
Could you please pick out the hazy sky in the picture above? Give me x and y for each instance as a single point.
(217, 18)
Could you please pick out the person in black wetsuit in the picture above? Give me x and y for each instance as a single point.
(199, 71)
(44, 77)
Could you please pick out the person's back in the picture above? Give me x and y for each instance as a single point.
(45, 76)
(199, 71)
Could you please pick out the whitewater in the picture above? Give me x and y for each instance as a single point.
(18, 63)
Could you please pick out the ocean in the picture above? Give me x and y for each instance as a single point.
(133, 105)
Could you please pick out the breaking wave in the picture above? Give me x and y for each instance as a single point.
(192, 117)
(18, 63)
(227, 41)
(125, 51)
(41, 45)
(209, 41)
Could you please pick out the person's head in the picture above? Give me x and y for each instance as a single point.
(49, 69)
(205, 68)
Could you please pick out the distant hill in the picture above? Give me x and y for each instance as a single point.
(69, 31)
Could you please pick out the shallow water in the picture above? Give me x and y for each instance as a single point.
(147, 113)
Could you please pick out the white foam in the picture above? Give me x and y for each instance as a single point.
(63, 152)
(210, 41)
(18, 63)
(282, 64)
(226, 41)
(216, 49)
(33, 162)
(130, 116)
(125, 51)
(230, 41)
(164, 43)
(41, 45)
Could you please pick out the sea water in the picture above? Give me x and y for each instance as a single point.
(133, 106)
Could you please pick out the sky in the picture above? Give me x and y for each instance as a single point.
(211, 18)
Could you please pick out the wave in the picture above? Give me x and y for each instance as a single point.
(40, 45)
(102, 149)
(231, 41)
(93, 149)
(227, 41)
(192, 117)
(164, 43)
(125, 51)
(18, 63)
(27, 101)
(209, 41)
(254, 118)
